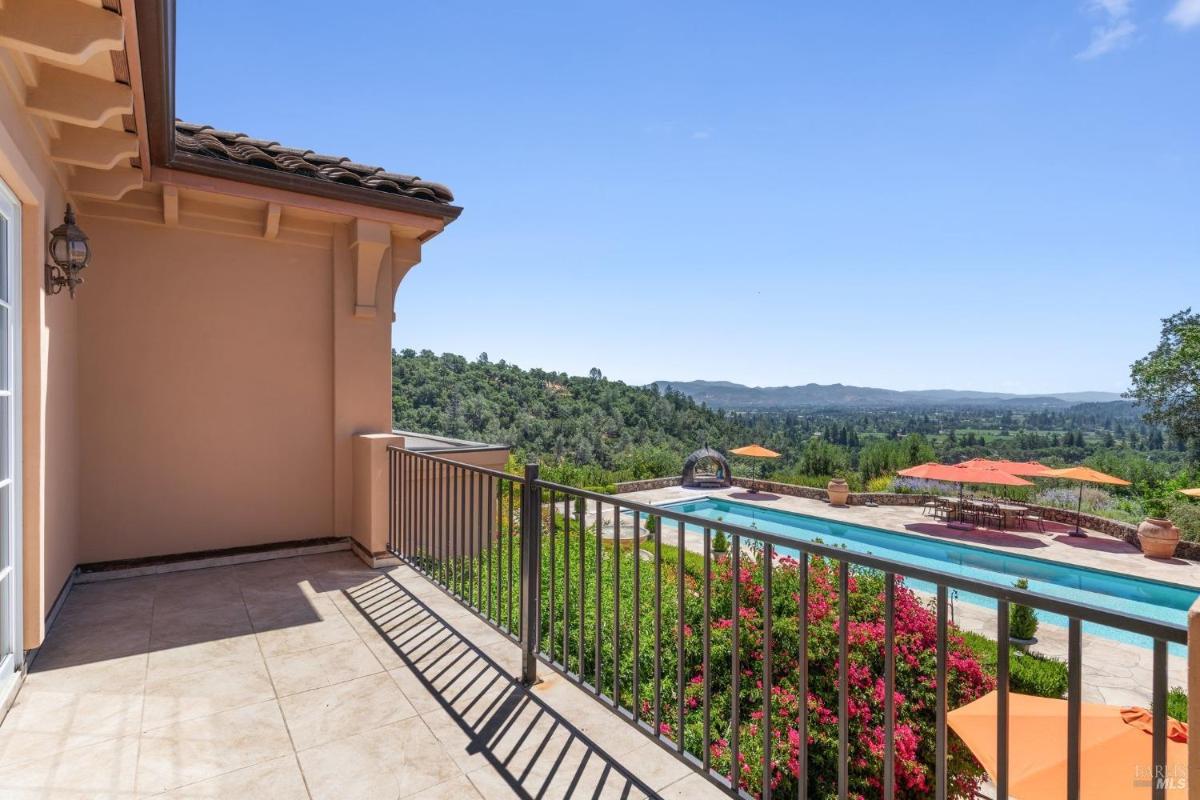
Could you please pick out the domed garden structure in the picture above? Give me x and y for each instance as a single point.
(706, 469)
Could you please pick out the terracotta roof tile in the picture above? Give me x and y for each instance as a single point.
(204, 140)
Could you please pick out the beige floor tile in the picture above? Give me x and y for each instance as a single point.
(124, 675)
(298, 638)
(178, 698)
(172, 662)
(396, 760)
(565, 770)
(344, 709)
(693, 787)
(459, 788)
(42, 723)
(198, 749)
(184, 625)
(68, 647)
(271, 610)
(655, 766)
(96, 772)
(322, 666)
(277, 779)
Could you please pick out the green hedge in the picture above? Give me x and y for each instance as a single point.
(1029, 673)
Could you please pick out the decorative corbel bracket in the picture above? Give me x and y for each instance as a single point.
(406, 254)
(369, 240)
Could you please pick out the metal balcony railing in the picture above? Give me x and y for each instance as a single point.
(543, 563)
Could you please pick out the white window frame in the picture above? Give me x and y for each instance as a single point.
(12, 665)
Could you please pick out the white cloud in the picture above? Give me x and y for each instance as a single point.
(1116, 32)
(1108, 38)
(1185, 14)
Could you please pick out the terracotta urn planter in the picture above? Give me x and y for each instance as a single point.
(1158, 537)
(839, 492)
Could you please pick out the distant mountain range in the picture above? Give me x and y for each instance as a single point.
(735, 396)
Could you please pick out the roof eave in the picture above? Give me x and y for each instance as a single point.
(156, 43)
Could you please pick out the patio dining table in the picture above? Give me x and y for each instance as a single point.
(1012, 513)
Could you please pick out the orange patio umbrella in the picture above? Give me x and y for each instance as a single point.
(1115, 748)
(755, 451)
(1030, 469)
(962, 475)
(1083, 475)
(1190, 492)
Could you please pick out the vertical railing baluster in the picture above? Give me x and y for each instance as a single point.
(735, 700)
(679, 651)
(1074, 704)
(637, 617)
(802, 647)
(511, 511)
(553, 579)
(598, 579)
(767, 570)
(531, 558)
(1002, 667)
(581, 529)
(616, 634)
(843, 680)
(478, 538)
(566, 616)
(463, 536)
(487, 485)
(707, 743)
(1158, 709)
(423, 512)
(939, 765)
(657, 628)
(889, 686)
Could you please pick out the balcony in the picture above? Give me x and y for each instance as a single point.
(312, 676)
(520, 645)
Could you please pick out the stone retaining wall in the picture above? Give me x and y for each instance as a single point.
(1124, 531)
(647, 485)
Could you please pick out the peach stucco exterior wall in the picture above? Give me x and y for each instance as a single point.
(48, 411)
(207, 362)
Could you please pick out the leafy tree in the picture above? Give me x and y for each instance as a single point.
(1167, 380)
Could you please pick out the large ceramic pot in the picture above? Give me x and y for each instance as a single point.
(839, 492)
(1158, 537)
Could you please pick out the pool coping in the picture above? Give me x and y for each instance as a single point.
(920, 537)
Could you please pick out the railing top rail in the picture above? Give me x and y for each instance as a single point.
(1128, 622)
(495, 473)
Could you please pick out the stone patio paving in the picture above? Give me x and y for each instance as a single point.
(304, 677)
(1114, 672)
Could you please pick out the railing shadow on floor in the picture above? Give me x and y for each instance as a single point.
(533, 751)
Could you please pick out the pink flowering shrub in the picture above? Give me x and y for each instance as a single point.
(915, 700)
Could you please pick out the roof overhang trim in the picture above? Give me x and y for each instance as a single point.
(156, 39)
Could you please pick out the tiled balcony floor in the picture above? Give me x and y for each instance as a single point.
(306, 677)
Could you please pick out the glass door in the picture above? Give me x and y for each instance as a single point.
(11, 645)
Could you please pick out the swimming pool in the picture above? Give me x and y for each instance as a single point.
(1157, 600)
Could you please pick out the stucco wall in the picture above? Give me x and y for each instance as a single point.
(205, 364)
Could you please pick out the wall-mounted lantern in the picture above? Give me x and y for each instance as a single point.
(69, 250)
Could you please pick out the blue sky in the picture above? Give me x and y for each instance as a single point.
(998, 196)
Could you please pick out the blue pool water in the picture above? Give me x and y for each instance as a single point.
(1145, 598)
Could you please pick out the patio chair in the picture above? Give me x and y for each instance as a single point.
(1030, 517)
(943, 509)
(992, 516)
(930, 508)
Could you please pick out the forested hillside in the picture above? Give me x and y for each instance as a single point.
(592, 432)
(588, 422)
